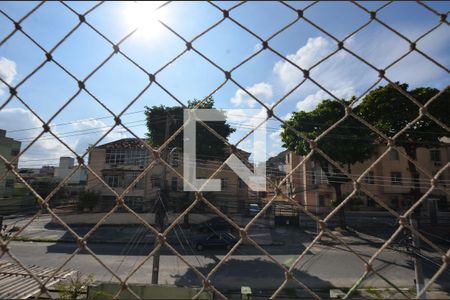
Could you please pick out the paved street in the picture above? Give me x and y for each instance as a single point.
(122, 248)
(323, 267)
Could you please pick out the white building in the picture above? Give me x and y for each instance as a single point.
(66, 166)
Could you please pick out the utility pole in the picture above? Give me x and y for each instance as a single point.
(160, 207)
(418, 271)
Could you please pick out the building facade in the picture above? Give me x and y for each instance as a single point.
(389, 180)
(66, 167)
(9, 148)
(120, 162)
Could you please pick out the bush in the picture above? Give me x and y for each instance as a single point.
(75, 286)
(87, 199)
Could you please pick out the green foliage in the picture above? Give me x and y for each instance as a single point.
(207, 143)
(87, 199)
(75, 286)
(390, 111)
(348, 143)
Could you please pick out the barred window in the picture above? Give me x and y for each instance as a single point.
(393, 155)
(370, 178)
(113, 180)
(156, 181)
(435, 155)
(396, 178)
(224, 184)
(115, 156)
(174, 184)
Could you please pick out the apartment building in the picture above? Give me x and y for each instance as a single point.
(9, 148)
(120, 162)
(389, 180)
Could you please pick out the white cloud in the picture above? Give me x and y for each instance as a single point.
(43, 149)
(287, 116)
(7, 72)
(47, 150)
(98, 128)
(314, 49)
(262, 91)
(257, 47)
(276, 136)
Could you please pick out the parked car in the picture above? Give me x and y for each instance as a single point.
(213, 225)
(253, 209)
(223, 240)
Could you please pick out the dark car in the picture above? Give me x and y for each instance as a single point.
(213, 225)
(224, 240)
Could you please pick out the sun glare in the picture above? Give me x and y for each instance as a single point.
(144, 16)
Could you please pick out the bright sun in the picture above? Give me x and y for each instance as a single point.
(144, 16)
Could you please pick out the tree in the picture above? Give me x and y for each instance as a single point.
(207, 143)
(390, 111)
(348, 143)
(88, 199)
(45, 187)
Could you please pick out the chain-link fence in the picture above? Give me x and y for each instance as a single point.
(160, 157)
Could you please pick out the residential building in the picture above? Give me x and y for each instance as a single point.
(9, 148)
(389, 180)
(14, 197)
(120, 162)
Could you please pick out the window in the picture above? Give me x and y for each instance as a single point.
(174, 184)
(288, 158)
(393, 155)
(435, 155)
(394, 202)
(414, 154)
(241, 183)
(112, 180)
(174, 159)
(396, 178)
(313, 177)
(223, 183)
(115, 156)
(156, 181)
(371, 202)
(9, 183)
(370, 178)
(15, 152)
(130, 177)
(136, 157)
(321, 201)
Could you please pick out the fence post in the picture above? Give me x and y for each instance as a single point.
(418, 271)
(160, 210)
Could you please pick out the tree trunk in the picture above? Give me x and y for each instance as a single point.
(338, 191)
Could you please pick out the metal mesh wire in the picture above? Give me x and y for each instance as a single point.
(190, 46)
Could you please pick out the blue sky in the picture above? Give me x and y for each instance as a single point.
(267, 76)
